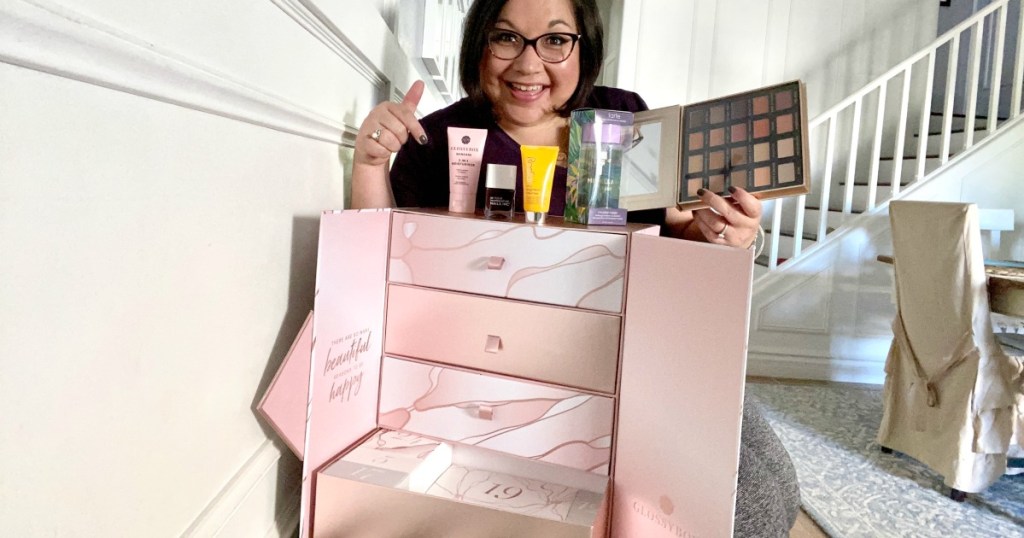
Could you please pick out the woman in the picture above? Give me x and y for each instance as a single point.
(522, 99)
(525, 65)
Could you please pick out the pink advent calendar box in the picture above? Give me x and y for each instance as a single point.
(401, 438)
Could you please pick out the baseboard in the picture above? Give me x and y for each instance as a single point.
(816, 368)
(262, 499)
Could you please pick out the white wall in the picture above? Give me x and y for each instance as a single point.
(690, 51)
(162, 170)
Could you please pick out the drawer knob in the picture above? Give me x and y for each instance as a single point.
(485, 412)
(493, 344)
(495, 263)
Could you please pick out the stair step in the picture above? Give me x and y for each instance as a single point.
(831, 210)
(860, 196)
(812, 219)
(882, 182)
(959, 121)
(787, 242)
(907, 173)
(957, 142)
(762, 261)
(808, 235)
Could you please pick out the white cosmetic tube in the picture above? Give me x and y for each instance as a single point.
(465, 155)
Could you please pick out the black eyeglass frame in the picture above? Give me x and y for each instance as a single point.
(533, 43)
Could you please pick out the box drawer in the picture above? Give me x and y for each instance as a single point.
(576, 268)
(575, 348)
(450, 490)
(530, 420)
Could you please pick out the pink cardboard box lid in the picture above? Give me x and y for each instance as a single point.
(284, 403)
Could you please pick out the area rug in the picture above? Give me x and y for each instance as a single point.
(851, 489)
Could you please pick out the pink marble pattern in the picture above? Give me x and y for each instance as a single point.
(526, 419)
(551, 265)
(392, 450)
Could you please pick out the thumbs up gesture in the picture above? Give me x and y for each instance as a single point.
(387, 127)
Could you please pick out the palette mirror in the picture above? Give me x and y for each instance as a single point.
(754, 140)
(650, 167)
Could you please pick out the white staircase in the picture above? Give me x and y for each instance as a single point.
(853, 144)
(822, 307)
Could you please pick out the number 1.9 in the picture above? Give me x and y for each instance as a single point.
(509, 492)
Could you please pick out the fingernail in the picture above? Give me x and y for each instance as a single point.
(700, 192)
(423, 140)
(732, 189)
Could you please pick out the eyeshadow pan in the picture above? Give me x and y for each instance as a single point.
(785, 148)
(761, 128)
(738, 132)
(761, 152)
(718, 114)
(784, 123)
(716, 137)
(783, 100)
(739, 179)
(763, 176)
(697, 117)
(739, 156)
(695, 164)
(716, 160)
(761, 104)
(716, 183)
(696, 140)
(787, 173)
(739, 109)
(694, 185)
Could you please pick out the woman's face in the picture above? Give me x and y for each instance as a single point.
(527, 91)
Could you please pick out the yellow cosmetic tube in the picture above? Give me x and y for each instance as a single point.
(538, 176)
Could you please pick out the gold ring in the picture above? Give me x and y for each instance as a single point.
(376, 134)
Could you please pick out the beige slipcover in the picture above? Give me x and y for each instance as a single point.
(950, 390)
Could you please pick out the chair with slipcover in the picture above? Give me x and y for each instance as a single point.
(951, 392)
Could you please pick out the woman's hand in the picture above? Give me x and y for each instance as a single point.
(726, 222)
(387, 127)
(382, 133)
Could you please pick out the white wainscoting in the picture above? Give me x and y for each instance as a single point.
(162, 171)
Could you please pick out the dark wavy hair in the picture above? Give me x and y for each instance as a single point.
(484, 13)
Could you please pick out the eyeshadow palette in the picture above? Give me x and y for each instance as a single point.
(755, 140)
(752, 140)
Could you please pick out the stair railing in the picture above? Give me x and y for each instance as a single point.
(842, 122)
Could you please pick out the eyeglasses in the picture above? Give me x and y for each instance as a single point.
(552, 48)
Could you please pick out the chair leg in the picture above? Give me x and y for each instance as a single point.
(957, 495)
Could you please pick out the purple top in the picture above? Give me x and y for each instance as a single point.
(419, 175)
